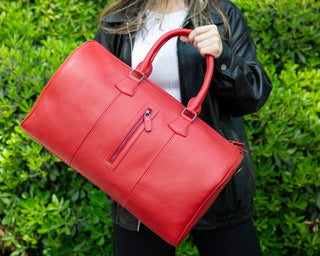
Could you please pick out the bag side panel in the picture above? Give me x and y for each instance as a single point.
(190, 171)
(73, 100)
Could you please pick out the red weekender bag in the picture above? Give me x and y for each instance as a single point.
(133, 140)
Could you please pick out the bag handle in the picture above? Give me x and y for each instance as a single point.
(144, 68)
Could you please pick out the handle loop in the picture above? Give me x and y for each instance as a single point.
(145, 68)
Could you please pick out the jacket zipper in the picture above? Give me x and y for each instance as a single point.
(130, 38)
(185, 24)
(138, 226)
(146, 119)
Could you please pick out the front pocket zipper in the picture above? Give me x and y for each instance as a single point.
(146, 119)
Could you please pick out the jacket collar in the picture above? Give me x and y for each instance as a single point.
(115, 18)
(120, 17)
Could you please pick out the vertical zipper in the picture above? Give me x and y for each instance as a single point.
(146, 119)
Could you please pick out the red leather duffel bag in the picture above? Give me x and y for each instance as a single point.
(133, 140)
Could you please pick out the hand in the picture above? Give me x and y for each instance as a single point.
(206, 39)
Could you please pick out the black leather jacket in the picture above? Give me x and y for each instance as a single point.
(239, 86)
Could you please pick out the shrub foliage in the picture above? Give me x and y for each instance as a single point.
(48, 209)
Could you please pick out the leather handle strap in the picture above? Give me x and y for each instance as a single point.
(145, 68)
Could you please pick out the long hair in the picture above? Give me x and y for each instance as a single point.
(198, 12)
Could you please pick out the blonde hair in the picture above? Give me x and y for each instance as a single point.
(198, 12)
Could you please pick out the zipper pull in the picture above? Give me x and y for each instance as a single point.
(239, 145)
(138, 226)
(147, 121)
(237, 171)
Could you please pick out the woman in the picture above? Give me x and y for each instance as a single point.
(239, 86)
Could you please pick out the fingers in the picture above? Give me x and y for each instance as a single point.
(206, 39)
(185, 39)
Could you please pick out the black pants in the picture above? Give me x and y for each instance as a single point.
(240, 240)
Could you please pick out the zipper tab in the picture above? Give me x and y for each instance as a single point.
(147, 121)
(239, 145)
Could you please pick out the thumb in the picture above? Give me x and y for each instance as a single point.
(185, 39)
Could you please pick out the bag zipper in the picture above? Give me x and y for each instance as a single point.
(239, 145)
(146, 119)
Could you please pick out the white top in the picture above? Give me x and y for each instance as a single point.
(165, 65)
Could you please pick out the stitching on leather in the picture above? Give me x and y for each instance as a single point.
(59, 70)
(149, 168)
(187, 227)
(239, 42)
(92, 128)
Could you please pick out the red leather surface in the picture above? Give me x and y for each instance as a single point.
(167, 170)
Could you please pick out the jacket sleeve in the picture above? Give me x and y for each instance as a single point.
(240, 82)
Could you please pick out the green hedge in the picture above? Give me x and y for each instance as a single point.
(285, 134)
(48, 209)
